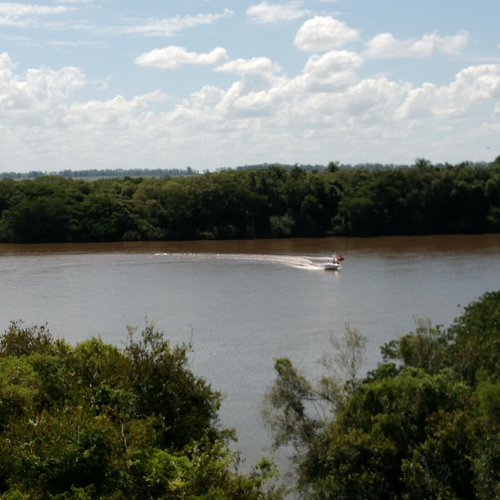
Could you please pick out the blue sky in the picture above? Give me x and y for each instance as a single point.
(219, 83)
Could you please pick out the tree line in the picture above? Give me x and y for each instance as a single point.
(97, 421)
(96, 173)
(273, 202)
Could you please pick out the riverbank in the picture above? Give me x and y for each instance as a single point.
(254, 204)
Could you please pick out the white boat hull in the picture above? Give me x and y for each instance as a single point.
(331, 267)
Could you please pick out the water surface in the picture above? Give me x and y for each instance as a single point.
(242, 304)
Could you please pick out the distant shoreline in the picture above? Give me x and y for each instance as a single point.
(253, 204)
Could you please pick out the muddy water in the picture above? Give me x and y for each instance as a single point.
(245, 303)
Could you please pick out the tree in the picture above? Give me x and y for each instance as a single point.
(254, 203)
(185, 405)
(475, 340)
(297, 410)
(424, 348)
(95, 421)
(423, 424)
(378, 439)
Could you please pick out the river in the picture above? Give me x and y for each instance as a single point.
(242, 304)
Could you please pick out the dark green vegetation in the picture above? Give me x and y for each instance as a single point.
(262, 203)
(93, 421)
(424, 424)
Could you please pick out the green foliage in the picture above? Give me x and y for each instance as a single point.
(475, 340)
(184, 404)
(426, 427)
(373, 440)
(19, 341)
(261, 203)
(95, 421)
(487, 451)
(425, 348)
(19, 388)
(281, 226)
(296, 410)
(286, 408)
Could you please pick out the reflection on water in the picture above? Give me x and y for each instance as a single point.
(245, 303)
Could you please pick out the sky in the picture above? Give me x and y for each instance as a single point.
(216, 83)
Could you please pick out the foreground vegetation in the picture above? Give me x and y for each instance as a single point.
(95, 421)
(261, 203)
(424, 424)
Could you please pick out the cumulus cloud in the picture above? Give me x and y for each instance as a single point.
(323, 112)
(23, 15)
(111, 111)
(170, 26)
(337, 68)
(172, 57)
(324, 33)
(6, 66)
(258, 75)
(471, 85)
(386, 46)
(265, 13)
(38, 91)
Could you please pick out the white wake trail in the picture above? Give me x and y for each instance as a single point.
(296, 261)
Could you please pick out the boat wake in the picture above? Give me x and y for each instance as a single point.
(296, 261)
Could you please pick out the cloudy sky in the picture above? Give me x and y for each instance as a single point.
(220, 83)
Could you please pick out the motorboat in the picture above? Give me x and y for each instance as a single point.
(334, 264)
(331, 266)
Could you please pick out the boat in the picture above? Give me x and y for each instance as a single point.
(334, 264)
(331, 266)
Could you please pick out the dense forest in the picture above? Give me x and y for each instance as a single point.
(272, 202)
(95, 421)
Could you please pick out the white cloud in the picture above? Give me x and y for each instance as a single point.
(472, 85)
(6, 66)
(386, 46)
(22, 15)
(329, 104)
(265, 13)
(112, 111)
(325, 112)
(169, 27)
(258, 76)
(330, 71)
(172, 57)
(321, 34)
(256, 65)
(333, 62)
(38, 91)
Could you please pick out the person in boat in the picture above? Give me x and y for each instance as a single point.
(337, 260)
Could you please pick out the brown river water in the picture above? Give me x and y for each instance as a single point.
(242, 304)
